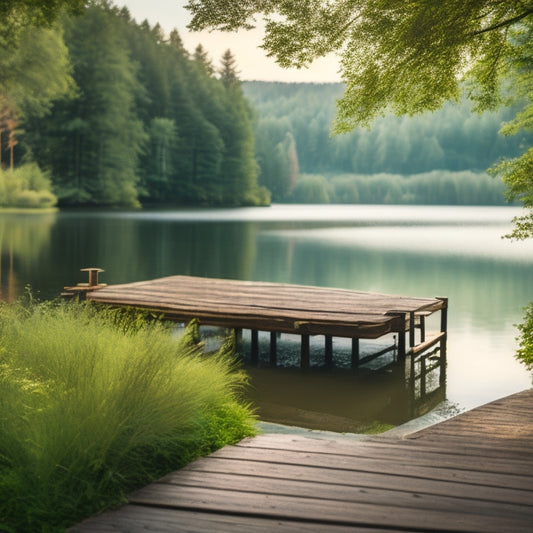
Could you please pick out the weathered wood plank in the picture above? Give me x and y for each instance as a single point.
(325, 511)
(269, 306)
(137, 518)
(407, 495)
(442, 456)
(447, 482)
(250, 291)
(365, 464)
(363, 479)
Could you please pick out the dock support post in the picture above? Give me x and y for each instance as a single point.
(255, 346)
(422, 319)
(444, 329)
(411, 385)
(81, 289)
(304, 362)
(329, 350)
(273, 348)
(355, 353)
(411, 329)
(237, 332)
(423, 374)
(401, 345)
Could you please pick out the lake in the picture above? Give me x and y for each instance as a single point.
(455, 252)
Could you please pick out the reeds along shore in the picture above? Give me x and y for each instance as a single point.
(95, 403)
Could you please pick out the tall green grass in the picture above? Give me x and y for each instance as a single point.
(93, 404)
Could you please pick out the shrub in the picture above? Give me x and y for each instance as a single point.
(94, 404)
(25, 186)
(525, 352)
(310, 189)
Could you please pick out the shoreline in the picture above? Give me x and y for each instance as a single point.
(411, 426)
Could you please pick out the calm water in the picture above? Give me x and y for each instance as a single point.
(421, 251)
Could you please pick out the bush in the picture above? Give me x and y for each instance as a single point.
(310, 189)
(525, 352)
(25, 186)
(94, 404)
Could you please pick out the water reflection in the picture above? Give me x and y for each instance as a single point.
(24, 239)
(338, 398)
(420, 251)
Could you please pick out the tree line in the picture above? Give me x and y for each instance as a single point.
(130, 115)
(451, 144)
(118, 113)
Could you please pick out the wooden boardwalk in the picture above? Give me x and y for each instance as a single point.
(472, 473)
(276, 307)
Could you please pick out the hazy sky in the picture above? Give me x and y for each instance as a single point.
(252, 61)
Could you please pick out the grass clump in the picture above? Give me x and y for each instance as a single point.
(94, 404)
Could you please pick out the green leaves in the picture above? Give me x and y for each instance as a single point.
(405, 56)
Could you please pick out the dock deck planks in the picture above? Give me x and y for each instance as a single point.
(274, 307)
(472, 473)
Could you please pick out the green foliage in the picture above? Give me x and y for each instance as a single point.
(92, 408)
(160, 165)
(311, 189)
(517, 174)
(430, 188)
(147, 122)
(525, 352)
(408, 56)
(25, 186)
(35, 74)
(16, 16)
(405, 57)
(452, 138)
(98, 138)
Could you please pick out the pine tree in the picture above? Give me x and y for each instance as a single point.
(97, 138)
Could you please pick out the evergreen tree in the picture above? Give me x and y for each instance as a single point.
(228, 70)
(160, 166)
(95, 139)
(239, 169)
(147, 120)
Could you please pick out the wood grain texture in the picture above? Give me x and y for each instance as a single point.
(270, 306)
(472, 473)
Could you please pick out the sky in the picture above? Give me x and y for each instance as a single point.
(251, 60)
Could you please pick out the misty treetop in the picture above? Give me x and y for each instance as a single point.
(294, 131)
(134, 118)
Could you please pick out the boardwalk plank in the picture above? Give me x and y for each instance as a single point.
(409, 497)
(321, 510)
(360, 479)
(438, 456)
(376, 465)
(473, 476)
(136, 518)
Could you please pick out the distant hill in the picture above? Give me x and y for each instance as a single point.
(452, 138)
(299, 116)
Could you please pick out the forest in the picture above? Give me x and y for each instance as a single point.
(130, 117)
(100, 110)
(432, 158)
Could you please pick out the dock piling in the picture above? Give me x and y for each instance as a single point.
(305, 361)
(273, 348)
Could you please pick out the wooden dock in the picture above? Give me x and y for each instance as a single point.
(296, 309)
(472, 473)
